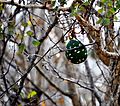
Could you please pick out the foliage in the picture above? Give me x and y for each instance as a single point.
(31, 94)
(34, 59)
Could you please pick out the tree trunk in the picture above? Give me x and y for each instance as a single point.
(70, 72)
(90, 78)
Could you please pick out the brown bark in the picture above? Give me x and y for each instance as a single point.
(113, 91)
(105, 56)
(95, 33)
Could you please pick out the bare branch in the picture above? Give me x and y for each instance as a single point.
(51, 83)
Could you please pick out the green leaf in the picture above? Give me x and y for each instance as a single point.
(31, 94)
(11, 27)
(53, 2)
(19, 104)
(36, 43)
(1, 36)
(22, 95)
(100, 10)
(105, 21)
(86, 3)
(99, 21)
(1, 6)
(112, 10)
(110, 4)
(74, 12)
(81, 8)
(115, 18)
(29, 33)
(21, 48)
(24, 24)
(118, 4)
(103, 1)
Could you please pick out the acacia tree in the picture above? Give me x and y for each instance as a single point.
(44, 47)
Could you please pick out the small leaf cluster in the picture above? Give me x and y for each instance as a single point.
(109, 9)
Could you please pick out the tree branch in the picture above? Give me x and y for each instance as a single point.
(26, 6)
(96, 34)
(51, 83)
(40, 6)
